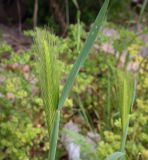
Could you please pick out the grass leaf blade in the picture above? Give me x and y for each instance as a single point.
(84, 53)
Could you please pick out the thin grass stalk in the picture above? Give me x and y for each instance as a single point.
(84, 114)
(78, 31)
(67, 12)
(78, 24)
(54, 137)
(86, 118)
(108, 110)
(76, 3)
(124, 137)
(142, 10)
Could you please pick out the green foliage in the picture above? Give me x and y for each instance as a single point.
(15, 134)
(4, 47)
(126, 39)
(137, 127)
(23, 133)
(20, 103)
(49, 78)
(115, 156)
(119, 7)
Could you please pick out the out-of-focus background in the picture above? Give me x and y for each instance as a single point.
(90, 112)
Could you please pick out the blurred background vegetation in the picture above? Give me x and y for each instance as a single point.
(60, 13)
(91, 106)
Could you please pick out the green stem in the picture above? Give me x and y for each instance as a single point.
(76, 67)
(78, 31)
(108, 99)
(84, 114)
(124, 138)
(54, 137)
(142, 10)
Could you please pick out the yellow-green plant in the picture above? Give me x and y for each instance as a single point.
(46, 49)
(48, 74)
(125, 90)
(125, 86)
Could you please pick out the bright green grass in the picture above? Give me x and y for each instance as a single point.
(45, 44)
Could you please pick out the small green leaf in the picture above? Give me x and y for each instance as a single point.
(115, 156)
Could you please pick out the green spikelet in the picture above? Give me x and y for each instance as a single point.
(46, 50)
(125, 91)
